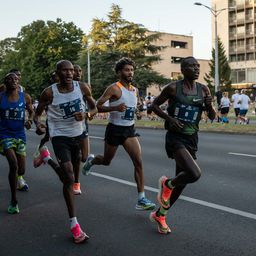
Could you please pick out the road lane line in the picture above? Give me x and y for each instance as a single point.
(241, 154)
(95, 137)
(185, 198)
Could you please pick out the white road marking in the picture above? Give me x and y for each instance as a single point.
(95, 137)
(241, 154)
(185, 198)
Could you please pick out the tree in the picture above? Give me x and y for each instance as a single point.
(114, 38)
(224, 68)
(6, 46)
(39, 46)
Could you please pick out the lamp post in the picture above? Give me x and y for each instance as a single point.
(88, 65)
(215, 13)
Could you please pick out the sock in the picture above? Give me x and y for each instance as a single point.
(163, 211)
(19, 177)
(141, 195)
(73, 222)
(46, 159)
(168, 184)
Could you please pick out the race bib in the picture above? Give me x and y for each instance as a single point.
(69, 108)
(186, 113)
(15, 114)
(129, 113)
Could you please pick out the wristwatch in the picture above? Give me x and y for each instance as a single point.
(88, 114)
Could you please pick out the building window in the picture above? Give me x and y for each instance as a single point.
(178, 44)
(232, 58)
(250, 56)
(238, 76)
(241, 76)
(240, 57)
(176, 60)
(251, 75)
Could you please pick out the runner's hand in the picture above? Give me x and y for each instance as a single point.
(174, 124)
(40, 129)
(79, 116)
(121, 107)
(28, 124)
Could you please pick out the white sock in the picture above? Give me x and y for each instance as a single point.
(73, 222)
(46, 159)
(141, 195)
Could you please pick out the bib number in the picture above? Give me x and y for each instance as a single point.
(15, 114)
(68, 109)
(129, 113)
(186, 113)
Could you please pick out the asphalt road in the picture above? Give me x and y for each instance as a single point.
(215, 216)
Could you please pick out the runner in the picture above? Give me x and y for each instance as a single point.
(21, 183)
(187, 99)
(13, 106)
(122, 98)
(85, 145)
(65, 120)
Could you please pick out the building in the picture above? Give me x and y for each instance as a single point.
(176, 48)
(236, 29)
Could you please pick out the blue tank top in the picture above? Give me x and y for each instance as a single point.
(12, 117)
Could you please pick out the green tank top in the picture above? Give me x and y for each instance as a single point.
(187, 108)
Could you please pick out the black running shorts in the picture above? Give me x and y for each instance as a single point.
(116, 135)
(175, 141)
(66, 149)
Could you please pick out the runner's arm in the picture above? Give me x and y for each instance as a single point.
(44, 101)
(110, 93)
(86, 90)
(211, 113)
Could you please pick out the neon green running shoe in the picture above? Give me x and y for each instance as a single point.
(12, 209)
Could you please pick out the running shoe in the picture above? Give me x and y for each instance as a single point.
(87, 165)
(78, 234)
(39, 158)
(76, 189)
(21, 184)
(145, 204)
(161, 223)
(164, 193)
(13, 208)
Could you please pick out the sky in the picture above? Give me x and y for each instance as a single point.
(171, 16)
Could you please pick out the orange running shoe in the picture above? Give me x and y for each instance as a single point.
(164, 193)
(76, 189)
(161, 223)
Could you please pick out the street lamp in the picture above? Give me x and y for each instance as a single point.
(88, 65)
(215, 13)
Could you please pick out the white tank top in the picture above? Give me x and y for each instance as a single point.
(61, 111)
(129, 98)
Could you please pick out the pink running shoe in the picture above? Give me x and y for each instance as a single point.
(78, 234)
(40, 155)
(164, 193)
(161, 223)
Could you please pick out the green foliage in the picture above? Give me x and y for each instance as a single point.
(114, 38)
(224, 69)
(37, 49)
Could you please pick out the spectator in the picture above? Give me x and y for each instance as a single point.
(244, 101)
(236, 99)
(224, 107)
